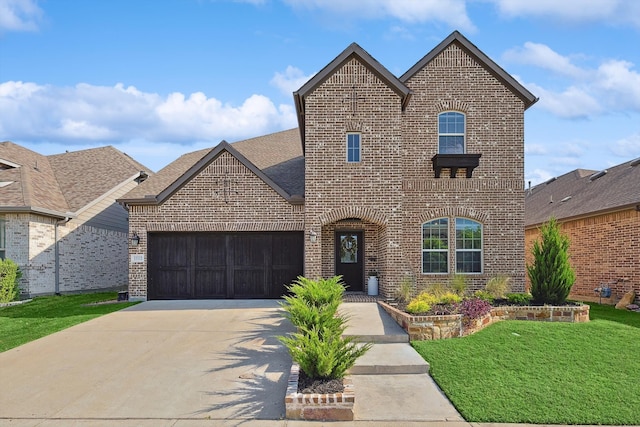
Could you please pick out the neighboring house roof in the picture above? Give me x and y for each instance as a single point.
(584, 193)
(60, 185)
(275, 158)
(498, 72)
(353, 51)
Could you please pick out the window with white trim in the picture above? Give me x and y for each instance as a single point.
(451, 133)
(468, 246)
(435, 246)
(353, 147)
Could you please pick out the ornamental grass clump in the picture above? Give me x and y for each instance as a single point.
(318, 345)
(9, 278)
(551, 274)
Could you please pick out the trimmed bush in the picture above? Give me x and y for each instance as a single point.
(484, 295)
(519, 299)
(9, 278)
(318, 345)
(551, 274)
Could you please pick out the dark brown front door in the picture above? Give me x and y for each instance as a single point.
(349, 258)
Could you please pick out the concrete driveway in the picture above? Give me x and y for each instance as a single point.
(156, 360)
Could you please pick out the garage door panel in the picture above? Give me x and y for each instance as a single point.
(248, 250)
(174, 284)
(210, 283)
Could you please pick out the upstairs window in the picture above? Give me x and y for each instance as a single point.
(451, 128)
(353, 147)
(468, 246)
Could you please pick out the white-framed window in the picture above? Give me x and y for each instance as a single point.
(468, 246)
(353, 147)
(435, 246)
(451, 133)
(3, 238)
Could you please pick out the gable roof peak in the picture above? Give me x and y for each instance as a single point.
(472, 50)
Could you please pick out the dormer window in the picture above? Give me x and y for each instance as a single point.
(451, 128)
(353, 147)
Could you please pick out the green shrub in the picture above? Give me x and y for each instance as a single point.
(498, 286)
(417, 306)
(449, 298)
(484, 295)
(459, 284)
(318, 345)
(519, 299)
(9, 278)
(551, 275)
(313, 302)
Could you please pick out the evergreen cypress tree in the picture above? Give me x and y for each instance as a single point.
(551, 275)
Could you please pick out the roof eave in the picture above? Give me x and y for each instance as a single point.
(634, 205)
(37, 210)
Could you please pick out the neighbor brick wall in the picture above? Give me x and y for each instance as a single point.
(604, 249)
(202, 205)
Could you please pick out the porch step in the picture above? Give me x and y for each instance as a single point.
(390, 359)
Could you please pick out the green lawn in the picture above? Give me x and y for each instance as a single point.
(544, 373)
(22, 323)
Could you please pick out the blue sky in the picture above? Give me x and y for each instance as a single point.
(159, 78)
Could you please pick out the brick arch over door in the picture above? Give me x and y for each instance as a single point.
(458, 211)
(367, 214)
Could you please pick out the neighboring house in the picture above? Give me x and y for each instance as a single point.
(59, 220)
(418, 178)
(600, 213)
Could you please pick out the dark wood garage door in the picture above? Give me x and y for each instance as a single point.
(223, 265)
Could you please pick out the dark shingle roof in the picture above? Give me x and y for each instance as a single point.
(584, 192)
(278, 156)
(61, 183)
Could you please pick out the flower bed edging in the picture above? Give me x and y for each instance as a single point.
(319, 407)
(450, 326)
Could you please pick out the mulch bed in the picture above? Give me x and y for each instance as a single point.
(319, 386)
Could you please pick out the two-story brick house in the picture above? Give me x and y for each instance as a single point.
(417, 177)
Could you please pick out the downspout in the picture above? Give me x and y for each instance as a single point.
(57, 252)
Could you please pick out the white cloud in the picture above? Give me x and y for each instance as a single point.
(107, 114)
(622, 85)
(535, 149)
(451, 12)
(291, 80)
(627, 147)
(543, 56)
(19, 15)
(608, 11)
(572, 103)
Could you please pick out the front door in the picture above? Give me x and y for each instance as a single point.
(349, 259)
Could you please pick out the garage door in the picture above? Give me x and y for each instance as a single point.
(223, 265)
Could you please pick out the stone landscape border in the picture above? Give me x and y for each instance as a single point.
(451, 326)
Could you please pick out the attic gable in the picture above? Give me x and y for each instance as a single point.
(487, 63)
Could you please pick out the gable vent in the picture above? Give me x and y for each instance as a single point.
(635, 162)
(597, 175)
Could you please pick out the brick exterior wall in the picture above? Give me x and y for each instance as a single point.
(393, 189)
(89, 258)
(202, 204)
(604, 249)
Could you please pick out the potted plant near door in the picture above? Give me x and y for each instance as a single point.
(372, 283)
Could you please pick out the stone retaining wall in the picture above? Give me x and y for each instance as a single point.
(451, 326)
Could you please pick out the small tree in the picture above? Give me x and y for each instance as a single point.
(551, 274)
(9, 278)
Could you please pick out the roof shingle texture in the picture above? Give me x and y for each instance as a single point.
(618, 188)
(62, 182)
(277, 155)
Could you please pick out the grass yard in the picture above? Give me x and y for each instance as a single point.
(22, 323)
(544, 373)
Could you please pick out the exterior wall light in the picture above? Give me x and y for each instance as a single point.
(313, 236)
(135, 239)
